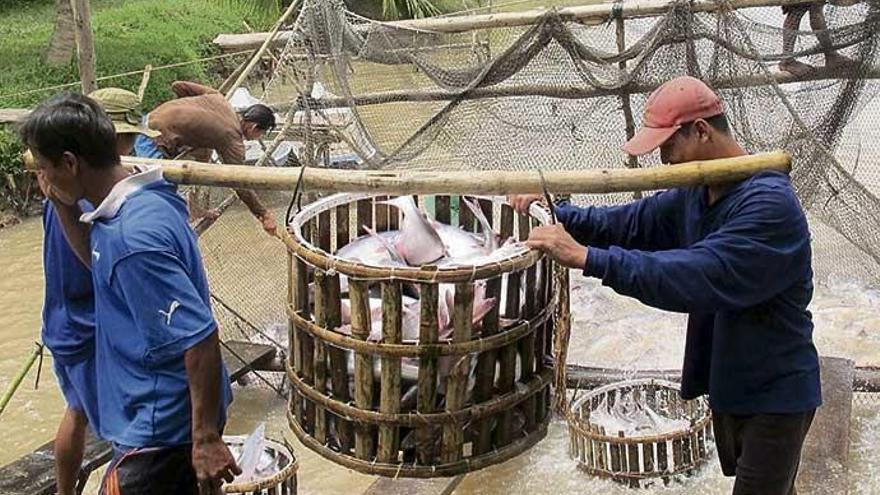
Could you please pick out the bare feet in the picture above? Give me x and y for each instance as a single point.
(796, 68)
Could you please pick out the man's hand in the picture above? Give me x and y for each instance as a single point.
(559, 245)
(268, 222)
(522, 202)
(52, 193)
(213, 463)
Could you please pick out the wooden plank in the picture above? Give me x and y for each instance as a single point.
(403, 486)
(34, 474)
(825, 460)
(242, 357)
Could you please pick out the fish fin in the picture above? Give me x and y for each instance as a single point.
(489, 240)
(392, 250)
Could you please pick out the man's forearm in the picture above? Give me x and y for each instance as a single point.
(203, 364)
(76, 232)
(250, 199)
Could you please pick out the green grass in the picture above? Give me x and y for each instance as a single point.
(129, 34)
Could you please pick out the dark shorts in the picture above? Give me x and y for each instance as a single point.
(159, 471)
(762, 450)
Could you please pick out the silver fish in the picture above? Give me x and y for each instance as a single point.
(418, 242)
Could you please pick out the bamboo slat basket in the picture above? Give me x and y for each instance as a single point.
(495, 402)
(281, 483)
(637, 460)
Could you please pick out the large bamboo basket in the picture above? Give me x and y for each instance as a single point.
(636, 460)
(357, 421)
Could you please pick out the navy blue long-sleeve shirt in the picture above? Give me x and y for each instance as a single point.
(742, 270)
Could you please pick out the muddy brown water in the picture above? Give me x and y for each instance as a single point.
(845, 313)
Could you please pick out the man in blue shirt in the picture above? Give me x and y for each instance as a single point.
(69, 334)
(162, 387)
(68, 310)
(736, 257)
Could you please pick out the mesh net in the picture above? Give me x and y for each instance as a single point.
(562, 94)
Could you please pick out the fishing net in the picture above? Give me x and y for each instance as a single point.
(560, 94)
(564, 94)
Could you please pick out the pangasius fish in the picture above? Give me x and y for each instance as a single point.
(418, 242)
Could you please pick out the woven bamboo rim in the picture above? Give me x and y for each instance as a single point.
(320, 259)
(582, 428)
(501, 339)
(282, 475)
(461, 416)
(412, 471)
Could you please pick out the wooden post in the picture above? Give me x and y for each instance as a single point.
(259, 53)
(63, 42)
(485, 383)
(563, 334)
(363, 366)
(85, 45)
(442, 210)
(427, 397)
(320, 355)
(338, 361)
(389, 397)
(527, 344)
(456, 382)
(632, 161)
(145, 80)
(306, 342)
(507, 354)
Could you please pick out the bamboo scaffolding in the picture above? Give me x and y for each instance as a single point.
(591, 181)
(570, 92)
(583, 14)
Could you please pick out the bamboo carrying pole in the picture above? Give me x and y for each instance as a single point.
(584, 14)
(590, 181)
(85, 45)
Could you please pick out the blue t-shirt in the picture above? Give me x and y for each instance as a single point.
(741, 268)
(69, 304)
(152, 305)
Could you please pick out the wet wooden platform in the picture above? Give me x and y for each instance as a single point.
(34, 474)
(824, 464)
(405, 486)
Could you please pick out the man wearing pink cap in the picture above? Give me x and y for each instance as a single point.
(735, 257)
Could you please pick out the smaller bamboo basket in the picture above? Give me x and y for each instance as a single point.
(281, 483)
(639, 460)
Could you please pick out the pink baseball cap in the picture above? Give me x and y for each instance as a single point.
(676, 102)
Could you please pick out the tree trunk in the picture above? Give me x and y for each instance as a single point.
(63, 41)
(85, 45)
